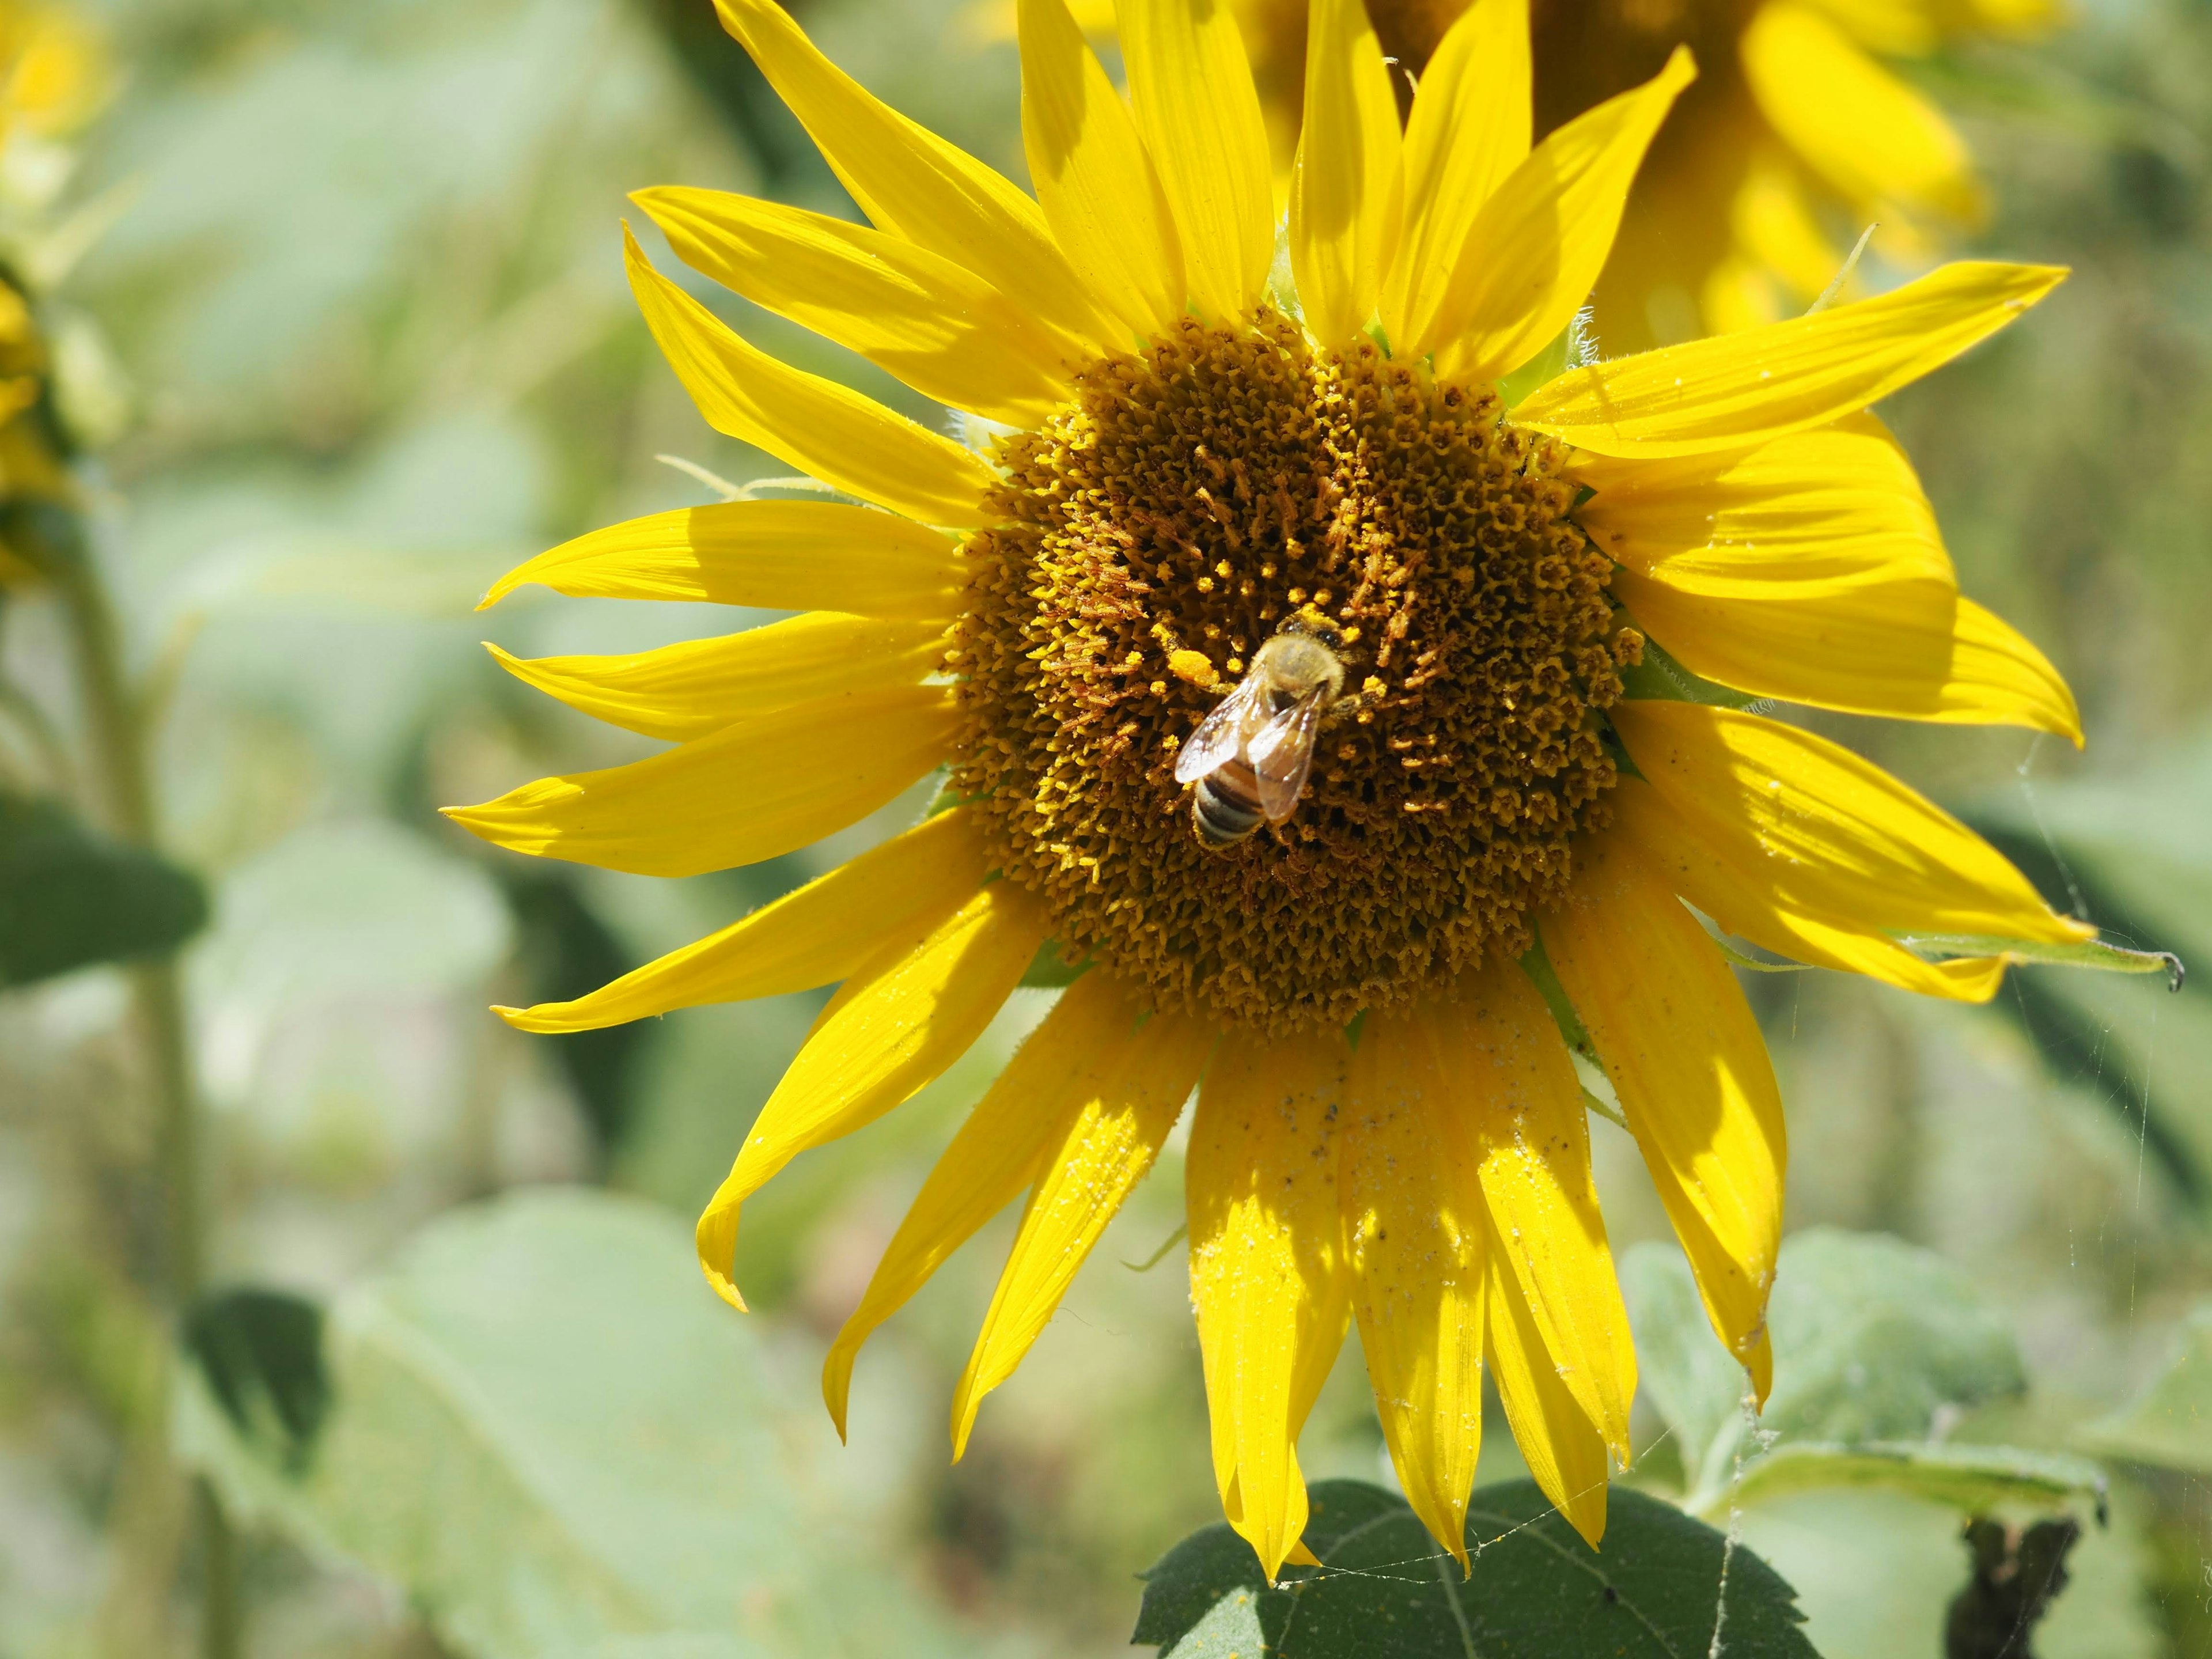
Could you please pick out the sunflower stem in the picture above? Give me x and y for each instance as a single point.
(116, 731)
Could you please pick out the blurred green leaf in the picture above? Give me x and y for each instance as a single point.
(2171, 1425)
(566, 950)
(1871, 1336)
(70, 898)
(1664, 1584)
(261, 1353)
(1969, 1479)
(555, 1443)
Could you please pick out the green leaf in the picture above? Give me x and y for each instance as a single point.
(554, 1445)
(2094, 953)
(1664, 1586)
(1969, 1479)
(1871, 1336)
(70, 898)
(261, 1353)
(2171, 1425)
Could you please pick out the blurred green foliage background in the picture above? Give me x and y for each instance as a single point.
(355, 338)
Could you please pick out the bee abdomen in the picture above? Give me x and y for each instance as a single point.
(1223, 810)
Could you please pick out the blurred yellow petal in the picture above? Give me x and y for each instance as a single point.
(774, 554)
(904, 1016)
(1739, 293)
(825, 931)
(828, 430)
(1774, 224)
(1898, 28)
(1140, 1078)
(1013, 1129)
(1536, 248)
(913, 184)
(936, 326)
(688, 690)
(1093, 179)
(1499, 1042)
(1687, 1060)
(1411, 1186)
(1866, 133)
(1833, 829)
(1267, 1271)
(1347, 191)
(753, 790)
(1192, 86)
(1734, 883)
(1906, 650)
(1742, 388)
(1563, 1450)
(1470, 129)
(61, 74)
(1811, 513)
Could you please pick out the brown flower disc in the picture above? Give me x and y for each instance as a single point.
(1190, 501)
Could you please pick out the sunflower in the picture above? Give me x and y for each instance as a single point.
(1547, 609)
(1799, 127)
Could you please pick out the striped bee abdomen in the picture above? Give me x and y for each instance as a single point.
(1225, 806)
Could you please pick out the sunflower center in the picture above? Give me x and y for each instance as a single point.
(1152, 536)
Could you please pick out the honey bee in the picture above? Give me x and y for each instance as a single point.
(1250, 756)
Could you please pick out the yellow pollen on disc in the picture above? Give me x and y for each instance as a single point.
(1151, 536)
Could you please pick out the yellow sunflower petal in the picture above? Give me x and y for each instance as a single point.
(1267, 1270)
(821, 427)
(1744, 899)
(1865, 132)
(904, 1016)
(1811, 513)
(752, 791)
(686, 690)
(1683, 1051)
(1140, 1082)
(1470, 129)
(775, 555)
(936, 326)
(1200, 115)
(1834, 831)
(1410, 1181)
(913, 184)
(996, 1154)
(1564, 1452)
(825, 931)
(1535, 249)
(1501, 1044)
(1740, 389)
(1906, 650)
(1347, 185)
(1093, 179)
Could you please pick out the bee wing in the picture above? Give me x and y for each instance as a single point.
(1282, 757)
(1219, 735)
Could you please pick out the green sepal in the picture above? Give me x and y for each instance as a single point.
(1660, 678)
(2087, 953)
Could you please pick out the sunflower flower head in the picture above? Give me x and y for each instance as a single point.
(1358, 725)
